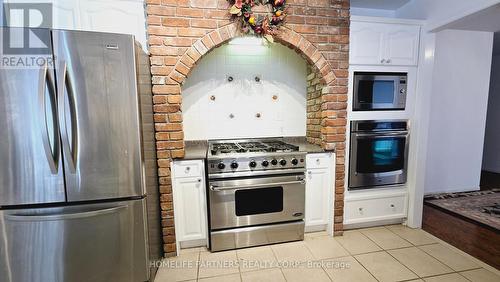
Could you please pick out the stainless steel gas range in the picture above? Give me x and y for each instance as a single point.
(256, 193)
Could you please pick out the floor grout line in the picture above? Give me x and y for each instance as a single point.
(198, 265)
(464, 276)
(481, 263)
(365, 268)
(404, 265)
(381, 249)
(429, 254)
(478, 266)
(276, 257)
(238, 261)
(371, 240)
(416, 245)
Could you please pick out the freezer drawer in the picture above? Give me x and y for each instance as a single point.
(100, 242)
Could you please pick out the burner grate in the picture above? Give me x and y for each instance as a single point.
(226, 148)
(252, 146)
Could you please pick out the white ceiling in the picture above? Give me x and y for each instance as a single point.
(379, 4)
(485, 20)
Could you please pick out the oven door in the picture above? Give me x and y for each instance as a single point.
(257, 200)
(378, 159)
(379, 92)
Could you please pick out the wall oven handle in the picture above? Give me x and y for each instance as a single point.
(217, 188)
(382, 134)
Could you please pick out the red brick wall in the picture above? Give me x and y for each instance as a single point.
(314, 102)
(183, 31)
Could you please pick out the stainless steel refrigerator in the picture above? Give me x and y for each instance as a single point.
(78, 186)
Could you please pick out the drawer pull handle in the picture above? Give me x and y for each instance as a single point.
(187, 169)
(392, 205)
(199, 180)
(361, 209)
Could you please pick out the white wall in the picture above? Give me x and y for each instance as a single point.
(458, 104)
(491, 155)
(283, 74)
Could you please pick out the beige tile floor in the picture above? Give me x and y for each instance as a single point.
(389, 253)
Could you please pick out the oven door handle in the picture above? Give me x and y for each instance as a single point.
(217, 188)
(381, 135)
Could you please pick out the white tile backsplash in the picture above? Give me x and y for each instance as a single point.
(282, 72)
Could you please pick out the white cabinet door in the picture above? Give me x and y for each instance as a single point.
(117, 16)
(384, 44)
(317, 198)
(65, 14)
(319, 191)
(401, 44)
(366, 46)
(190, 210)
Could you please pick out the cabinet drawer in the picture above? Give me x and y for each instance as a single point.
(318, 160)
(375, 209)
(188, 168)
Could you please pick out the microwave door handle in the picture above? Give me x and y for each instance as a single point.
(216, 188)
(49, 154)
(70, 152)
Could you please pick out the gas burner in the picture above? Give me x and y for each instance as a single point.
(226, 148)
(250, 146)
(280, 146)
(254, 147)
(253, 156)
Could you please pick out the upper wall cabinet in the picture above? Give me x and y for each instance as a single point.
(384, 44)
(116, 16)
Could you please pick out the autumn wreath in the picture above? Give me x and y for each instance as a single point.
(257, 24)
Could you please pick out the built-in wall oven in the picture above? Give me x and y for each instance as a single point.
(379, 91)
(378, 153)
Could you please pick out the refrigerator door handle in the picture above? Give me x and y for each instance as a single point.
(62, 216)
(64, 83)
(49, 154)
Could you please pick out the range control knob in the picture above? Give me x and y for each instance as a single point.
(265, 163)
(221, 165)
(234, 165)
(283, 162)
(274, 162)
(295, 161)
(253, 163)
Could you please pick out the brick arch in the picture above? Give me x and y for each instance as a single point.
(216, 38)
(180, 33)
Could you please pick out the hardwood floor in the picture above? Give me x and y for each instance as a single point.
(475, 239)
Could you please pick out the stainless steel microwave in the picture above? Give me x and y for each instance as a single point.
(379, 91)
